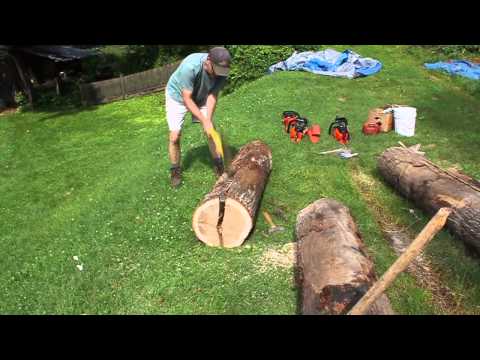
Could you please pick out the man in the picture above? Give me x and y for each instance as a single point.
(194, 88)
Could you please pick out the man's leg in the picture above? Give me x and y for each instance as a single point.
(175, 116)
(175, 156)
(174, 148)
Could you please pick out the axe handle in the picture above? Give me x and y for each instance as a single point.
(428, 232)
(217, 142)
(268, 218)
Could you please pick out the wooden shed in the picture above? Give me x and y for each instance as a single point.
(23, 67)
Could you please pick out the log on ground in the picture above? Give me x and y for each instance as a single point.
(226, 215)
(334, 270)
(431, 188)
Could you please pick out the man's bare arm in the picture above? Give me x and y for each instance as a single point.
(211, 105)
(193, 108)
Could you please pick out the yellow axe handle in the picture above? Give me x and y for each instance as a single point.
(217, 140)
(269, 219)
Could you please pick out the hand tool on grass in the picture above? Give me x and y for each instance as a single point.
(428, 232)
(273, 228)
(343, 153)
(331, 151)
(278, 209)
(347, 154)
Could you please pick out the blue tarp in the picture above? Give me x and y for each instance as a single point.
(329, 62)
(457, 67)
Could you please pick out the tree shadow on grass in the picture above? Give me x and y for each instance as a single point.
(66, 112)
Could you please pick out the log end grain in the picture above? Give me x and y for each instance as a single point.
(241, 188)
(236, 225)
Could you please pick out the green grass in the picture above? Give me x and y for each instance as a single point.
(94, 183)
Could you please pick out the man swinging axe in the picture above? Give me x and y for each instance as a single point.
(194, 88)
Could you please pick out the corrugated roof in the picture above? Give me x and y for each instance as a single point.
(3, 50)
(58, 53)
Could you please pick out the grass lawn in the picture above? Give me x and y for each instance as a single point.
(94, 183)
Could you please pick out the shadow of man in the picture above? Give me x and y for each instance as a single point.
(202, 153)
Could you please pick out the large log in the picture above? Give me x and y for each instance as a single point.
(431, 188)
(334, 270)
(226, 215)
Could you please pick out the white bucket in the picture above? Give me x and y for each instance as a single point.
(404, 118)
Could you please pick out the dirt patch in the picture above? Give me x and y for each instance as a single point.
(8, 111)
(399, 238)
(285, 258)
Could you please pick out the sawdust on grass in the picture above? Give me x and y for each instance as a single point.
(284, 257)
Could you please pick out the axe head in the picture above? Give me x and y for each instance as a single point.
(275, 229)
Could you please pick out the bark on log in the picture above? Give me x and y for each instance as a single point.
(236, 194)
(334, 270)
(431, 188)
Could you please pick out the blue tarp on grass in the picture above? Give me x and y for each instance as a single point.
(329, 62)
(457, 67)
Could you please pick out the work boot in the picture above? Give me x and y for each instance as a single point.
(219, 168)
(176, 176)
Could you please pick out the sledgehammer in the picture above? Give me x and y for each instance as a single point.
(273, 228)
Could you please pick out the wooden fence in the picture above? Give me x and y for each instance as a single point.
(105, 91)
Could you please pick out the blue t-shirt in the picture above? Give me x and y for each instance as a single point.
(190, 75)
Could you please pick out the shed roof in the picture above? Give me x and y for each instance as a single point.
(57, 53)
(3, 50)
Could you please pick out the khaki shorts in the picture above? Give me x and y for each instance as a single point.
(176, 113)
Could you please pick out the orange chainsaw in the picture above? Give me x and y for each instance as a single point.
(296, 127)
(339, 130)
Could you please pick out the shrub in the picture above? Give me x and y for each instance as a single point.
(45, 98)
(252, 61)
(139, 58)
(454, 50)
(170, 53)
(95, 67)
(21, 101)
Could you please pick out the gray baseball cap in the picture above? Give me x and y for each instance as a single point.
(221, 59)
